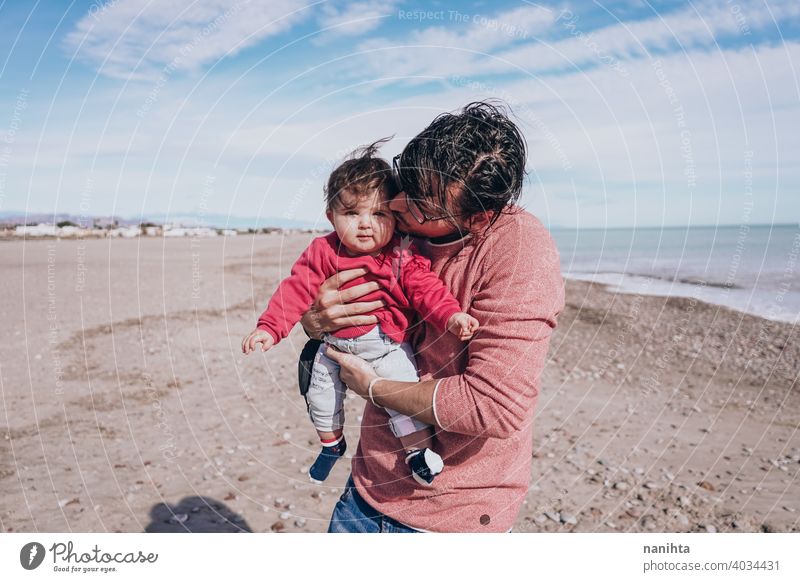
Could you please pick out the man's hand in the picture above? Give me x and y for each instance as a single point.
(255, 337)
(355, 372)
(411, 398)
(463, 326)
(333, 309)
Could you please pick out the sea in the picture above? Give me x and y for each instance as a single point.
(750, 268)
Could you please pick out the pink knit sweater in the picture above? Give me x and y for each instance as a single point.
(510, 280)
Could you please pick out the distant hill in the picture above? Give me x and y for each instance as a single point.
(225, 221)
(187, 219)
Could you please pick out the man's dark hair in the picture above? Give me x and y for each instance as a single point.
(361, 174)
(478, 148)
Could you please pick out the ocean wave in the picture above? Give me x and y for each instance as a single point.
(665, 278)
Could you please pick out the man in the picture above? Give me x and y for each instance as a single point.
(460, 179)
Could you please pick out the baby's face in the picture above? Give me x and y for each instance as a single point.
(364, 223)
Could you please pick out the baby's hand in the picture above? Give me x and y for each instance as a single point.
(462, 325)
(257, 336)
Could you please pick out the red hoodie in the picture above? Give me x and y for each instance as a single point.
(407, 286)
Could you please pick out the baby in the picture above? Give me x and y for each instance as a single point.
(356, 197)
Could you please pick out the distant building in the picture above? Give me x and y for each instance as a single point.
(175, 230)
(72, 231)
(125, 232)
(40, 229)
(203, 231)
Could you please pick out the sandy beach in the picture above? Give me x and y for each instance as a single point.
(127, 404)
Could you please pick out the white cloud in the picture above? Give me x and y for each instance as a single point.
(517, 41)
(352, 19)
(620, 139)
(139, 38)
(270, 152)
(702, 25)
(482, 32)
(462, 40)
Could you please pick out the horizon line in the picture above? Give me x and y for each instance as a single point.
(550, 226)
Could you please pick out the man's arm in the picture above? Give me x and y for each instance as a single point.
(410, 398)
(518, 298)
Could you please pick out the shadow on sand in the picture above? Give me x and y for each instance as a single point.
(195, 515)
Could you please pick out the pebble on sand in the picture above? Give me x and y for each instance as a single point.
(568, 519)
(648, 522)
(179, 518)
(554, 515)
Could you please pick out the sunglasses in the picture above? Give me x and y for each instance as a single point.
(414, 203)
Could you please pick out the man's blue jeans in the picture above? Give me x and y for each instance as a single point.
(353, 515)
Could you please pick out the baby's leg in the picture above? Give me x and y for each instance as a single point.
(326, 394)
(415, 436)
(325, 398)
(422, 439)
(399, 364)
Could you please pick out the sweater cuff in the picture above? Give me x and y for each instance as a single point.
(433, 404)
(443, 315)
(265, 328)
(441, 408)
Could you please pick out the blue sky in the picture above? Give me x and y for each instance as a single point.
(636, 113)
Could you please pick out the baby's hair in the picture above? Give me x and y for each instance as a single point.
(360, 174)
